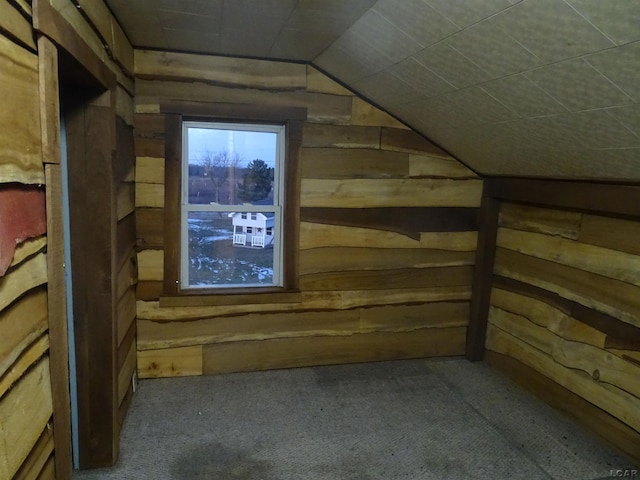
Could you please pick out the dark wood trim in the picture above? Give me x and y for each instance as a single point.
(409, 221)
(57, 313)
(48, 21)
(235, 111)
(91, 146)
(291, 212)
(482, 275)
(607, 428)
(583, 196)
(172, 182)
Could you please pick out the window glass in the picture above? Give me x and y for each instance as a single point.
(231, 205)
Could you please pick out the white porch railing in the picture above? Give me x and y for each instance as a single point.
(257, 241)
(239, 238)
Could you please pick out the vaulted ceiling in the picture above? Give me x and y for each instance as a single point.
(545, 88)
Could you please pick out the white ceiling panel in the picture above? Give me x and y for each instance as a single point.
(518, 87)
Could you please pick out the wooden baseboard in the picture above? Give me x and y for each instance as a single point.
(611, 431)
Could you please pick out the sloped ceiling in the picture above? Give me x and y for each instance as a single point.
(546, 88)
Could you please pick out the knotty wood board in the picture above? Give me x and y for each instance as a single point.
(335, 300)
(609, 429)
(328, 259)
(20, 136)
(618, 403)
(173, 362)
(610, 296)
(24, 412)
(307, 351)
(369, 193)
(562, 223)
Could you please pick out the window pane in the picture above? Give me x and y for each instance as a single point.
(231, 167)
(227, 250)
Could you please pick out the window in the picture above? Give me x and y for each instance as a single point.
(232, 193)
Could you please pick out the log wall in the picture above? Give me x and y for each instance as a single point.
(564, 309)
(387, 234)
(26, 433)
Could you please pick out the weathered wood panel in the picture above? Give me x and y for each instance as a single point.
(424, 166)
(149, 195)
(126, 373)
(306, 351)
(150, 227)
(399, 318)
(402, 140)
(27, 358)
(150, 170)
(49, 87)
(369, 193)
(21, 151)
(318, 135)
(24, 412)
(151, 265)
(30, 274)
(320, 83)
(173, 362)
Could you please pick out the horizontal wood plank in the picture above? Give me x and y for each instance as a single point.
(13, 22)
(150, 228)
(27, 358)
(150, 170)
(409, 221)
(24, 413)
(320, 83)
(311, 301)
(331, 259)
(396, 279)
(607, 428)
(618, 403)
(331, 136)
(369, 193)
(611, 233)
(151, 265)
(409, 141)
(149, 195)
(21, 153)
(235, 72)
(437, 167)
(363, 113)
(562, 223)
(353, 163)
(304, 351)
(603, 261)
(172, 362)
(399, 318)
(616, 298)
(19, 280)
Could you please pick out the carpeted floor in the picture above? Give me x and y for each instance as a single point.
(419, 419)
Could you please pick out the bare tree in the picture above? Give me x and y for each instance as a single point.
(220, 168)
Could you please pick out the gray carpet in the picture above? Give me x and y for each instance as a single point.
(418, 419)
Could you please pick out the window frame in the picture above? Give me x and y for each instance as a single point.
(292, 118)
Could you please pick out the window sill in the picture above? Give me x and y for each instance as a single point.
(237, 297)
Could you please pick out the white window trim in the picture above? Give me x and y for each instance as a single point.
(277, 208)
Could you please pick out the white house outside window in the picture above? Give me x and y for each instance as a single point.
(231, 205)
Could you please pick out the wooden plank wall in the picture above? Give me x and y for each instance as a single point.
(565, 305)
(26, 434)
(387, 234)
